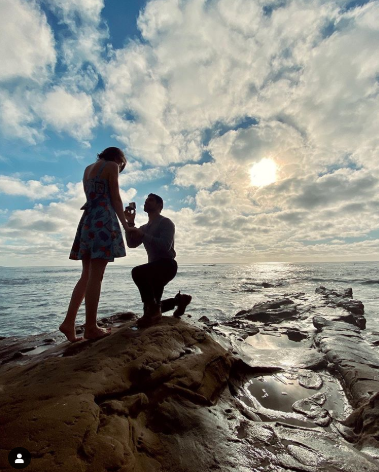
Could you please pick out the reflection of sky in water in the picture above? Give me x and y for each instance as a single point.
(35, 299)
(280, 391)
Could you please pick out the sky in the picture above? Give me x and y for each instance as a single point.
(255, 120)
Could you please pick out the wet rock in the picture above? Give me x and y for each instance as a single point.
(304, 455)
(309, 379)
(296, 335)
(275, 315)
(355, 361)
(281, 358)
(127, 402)
(334, 293)
(128, 315)
(264, 306)
(27, 349)
(311, 407)
(344, 299)
(273, 311)
(204, 319)
(332, 455)
(267, 285)
(363, 423)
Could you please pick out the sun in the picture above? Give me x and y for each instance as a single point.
(263, 173)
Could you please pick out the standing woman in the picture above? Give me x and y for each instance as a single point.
(98, 239)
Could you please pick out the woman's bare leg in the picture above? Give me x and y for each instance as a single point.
(96, 272)
(68, 325)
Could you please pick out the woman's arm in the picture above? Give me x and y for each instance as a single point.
(115, 194)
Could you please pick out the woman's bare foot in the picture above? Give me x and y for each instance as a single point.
(69, 332)
(96, 333)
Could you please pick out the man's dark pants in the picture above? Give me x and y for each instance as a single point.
(151, 278)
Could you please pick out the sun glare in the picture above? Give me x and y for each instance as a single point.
(263, 173)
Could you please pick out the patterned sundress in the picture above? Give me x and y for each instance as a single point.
(99, 233)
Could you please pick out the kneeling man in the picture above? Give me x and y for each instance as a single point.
(157, 235)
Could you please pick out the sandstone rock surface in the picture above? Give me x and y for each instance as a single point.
(130, 402)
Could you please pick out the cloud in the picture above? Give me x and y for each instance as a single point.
(332, 189)
(200, 176)
(33, 189)
(214, 87)
(133, 177)
(72, 113)
(17, 119)
(26, 42)
(62, 102)
(88, 10)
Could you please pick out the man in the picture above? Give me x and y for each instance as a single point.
(158, 238)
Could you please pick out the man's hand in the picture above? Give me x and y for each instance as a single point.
(130, 214)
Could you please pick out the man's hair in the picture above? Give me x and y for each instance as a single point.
(158, 199)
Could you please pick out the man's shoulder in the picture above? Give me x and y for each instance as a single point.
(166, 220)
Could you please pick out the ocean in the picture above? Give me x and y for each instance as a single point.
(35, 299)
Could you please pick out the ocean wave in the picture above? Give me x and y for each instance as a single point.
(345, 281)
(336, 281)
(14, 281)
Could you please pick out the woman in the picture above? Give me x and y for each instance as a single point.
(98, 239)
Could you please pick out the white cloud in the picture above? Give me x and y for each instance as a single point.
(26, 42)
(33, 189)
(69, 112)
(132, 177)
(88, 10)
(17, 120)
(200, 176)
(306, 75)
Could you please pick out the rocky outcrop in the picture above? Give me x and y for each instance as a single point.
(261, 391)
(134, 401)
(339, 338)
(344, 299)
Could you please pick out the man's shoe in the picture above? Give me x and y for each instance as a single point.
(151, 314)
(183, 301)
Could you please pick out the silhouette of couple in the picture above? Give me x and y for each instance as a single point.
(99, 240)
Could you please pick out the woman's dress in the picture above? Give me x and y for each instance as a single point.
(99, 234)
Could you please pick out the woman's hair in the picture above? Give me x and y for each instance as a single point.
(113, 154)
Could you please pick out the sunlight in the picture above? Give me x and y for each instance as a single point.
(263, 173)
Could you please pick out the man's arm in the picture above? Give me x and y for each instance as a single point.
(133, 238)
(166, 239)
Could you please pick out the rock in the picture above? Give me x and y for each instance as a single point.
(310, 379)
(311, 407)
(273, 311)
(128, 315)
(343, 299)
(333, 293)
(204, 319)
(275, 315)
(27, 349)
(111, 404)
(296, 335)
(364, 423)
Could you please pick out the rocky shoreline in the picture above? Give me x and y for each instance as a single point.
(290, 384)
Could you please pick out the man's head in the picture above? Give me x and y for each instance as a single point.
(153, 203)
